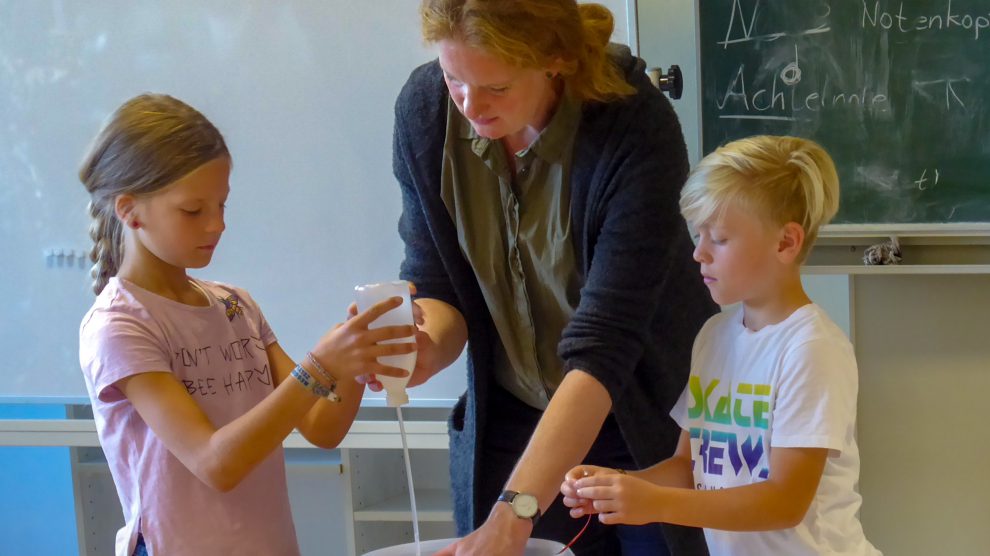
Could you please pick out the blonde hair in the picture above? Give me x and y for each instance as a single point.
(779, 179)
(148, 143)
(533, 34)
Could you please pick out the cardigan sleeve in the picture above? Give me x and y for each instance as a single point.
(638, 249)
(413, 152)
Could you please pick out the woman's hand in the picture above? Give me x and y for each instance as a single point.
(351, 350)
(502, 533)
(427, 352)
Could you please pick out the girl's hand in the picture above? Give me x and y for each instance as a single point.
(580, 506)
(618, 498)
(370, 379)
(352, 309)
(367, 379)
(351, 350)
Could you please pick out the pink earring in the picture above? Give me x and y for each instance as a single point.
(135, 224)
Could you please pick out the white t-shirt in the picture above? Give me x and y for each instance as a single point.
(789, 385)
(218, 354)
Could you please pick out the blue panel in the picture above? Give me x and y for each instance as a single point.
(39, 479)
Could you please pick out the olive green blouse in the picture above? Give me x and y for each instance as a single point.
(515, 230)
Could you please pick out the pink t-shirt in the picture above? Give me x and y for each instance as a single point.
(218, 354)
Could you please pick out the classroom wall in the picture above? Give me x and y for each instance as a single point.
(55, 44)
(303, 92)
(924, 361)
(666, 33)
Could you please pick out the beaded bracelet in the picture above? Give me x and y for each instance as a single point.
(327, 376)
(313, 385)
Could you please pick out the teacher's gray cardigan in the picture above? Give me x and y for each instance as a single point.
(642, 298)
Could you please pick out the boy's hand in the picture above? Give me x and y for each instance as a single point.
(351, 350)
(618, 498)
(580, 506)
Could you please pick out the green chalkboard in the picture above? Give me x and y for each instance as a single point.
(897, 91)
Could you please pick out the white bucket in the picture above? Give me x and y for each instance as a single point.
(534, 547)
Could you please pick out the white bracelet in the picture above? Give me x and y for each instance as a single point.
(311, 384)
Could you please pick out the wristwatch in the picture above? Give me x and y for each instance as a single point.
(525, 506)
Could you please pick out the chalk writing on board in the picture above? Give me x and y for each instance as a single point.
(924, 182)
(898, 92)
(951, 97)
(742, 31)
(913, 22)
(785, 98)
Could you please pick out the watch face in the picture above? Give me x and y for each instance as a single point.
(525, 505)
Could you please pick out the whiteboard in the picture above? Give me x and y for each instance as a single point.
(303, 92)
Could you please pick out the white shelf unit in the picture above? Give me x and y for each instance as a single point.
(382, 513)
(317, 489)
(345, 502)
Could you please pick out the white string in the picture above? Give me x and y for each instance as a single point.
(409, 479)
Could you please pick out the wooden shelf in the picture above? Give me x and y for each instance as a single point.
(431, 505)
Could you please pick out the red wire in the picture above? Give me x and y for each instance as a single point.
(578, 536)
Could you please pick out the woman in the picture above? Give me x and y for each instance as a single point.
(540, 173)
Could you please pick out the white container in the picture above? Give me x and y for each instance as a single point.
(534, 547)
(366, 296)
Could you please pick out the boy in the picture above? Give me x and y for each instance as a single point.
(767, 460)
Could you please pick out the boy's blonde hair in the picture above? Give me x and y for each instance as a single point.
(534, 33)
(779, 179)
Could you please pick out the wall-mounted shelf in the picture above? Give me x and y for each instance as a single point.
(902, 269)
(928, 251)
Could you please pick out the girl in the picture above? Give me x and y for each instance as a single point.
(191, 393)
